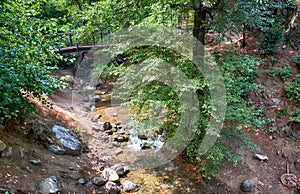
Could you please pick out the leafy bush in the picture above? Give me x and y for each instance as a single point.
(240, 72)
(271, 38)
(25, 52)
(292, 89)
(284, 72)
(297, 60)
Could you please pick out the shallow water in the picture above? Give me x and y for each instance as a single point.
(166, 178)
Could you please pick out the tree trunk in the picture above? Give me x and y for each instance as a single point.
(79, 5)
(199, 21)
(199, 31)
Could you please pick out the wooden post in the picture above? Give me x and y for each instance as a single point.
(70, 36)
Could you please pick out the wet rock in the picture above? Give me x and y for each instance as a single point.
(93, 109)
(143, 137)
(67, 140)
(86, 99)
(81, 181)
(106, 126)
(120, 168)
(2, 146)
(7, 153)
(49, 185)
(99, 181)
(261, 157)
(121, 137)
(109, 132)
(110, 174)
(112, 188)
(35, 162)
(22, 150)
(96, 98)
(297, 164)
(129, 186)
(247, 186)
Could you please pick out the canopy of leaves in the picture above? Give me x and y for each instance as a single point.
(25, 50)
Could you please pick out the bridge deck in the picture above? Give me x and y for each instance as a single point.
(73, 49)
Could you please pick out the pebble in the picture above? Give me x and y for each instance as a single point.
(81, 181)
(261, 157)
(22, 150)
(35, 162)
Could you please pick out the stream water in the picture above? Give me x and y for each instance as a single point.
(167, 178)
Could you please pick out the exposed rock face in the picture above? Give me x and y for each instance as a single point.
(66, 142)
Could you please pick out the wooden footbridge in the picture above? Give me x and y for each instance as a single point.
(76, 48)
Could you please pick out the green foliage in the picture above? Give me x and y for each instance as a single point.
(292, 89)
(282, 112)
(284, 72)
(240, 72)
(271, 38)
(295, 116)
(297, 60)
(25, 51)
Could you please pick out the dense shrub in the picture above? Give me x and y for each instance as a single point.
(284, 72)
(297, 60)
(271, 38)
(292, 89)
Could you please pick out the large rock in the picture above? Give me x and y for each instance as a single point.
(110, 174)
(2, 146)
(112, 188)
(247, 186)
(66, 141)
(120, 168)
(49, 185)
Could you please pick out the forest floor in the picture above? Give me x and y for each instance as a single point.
(18, 175)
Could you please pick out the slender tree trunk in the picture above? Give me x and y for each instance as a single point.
(244, 36)
(199, 31)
